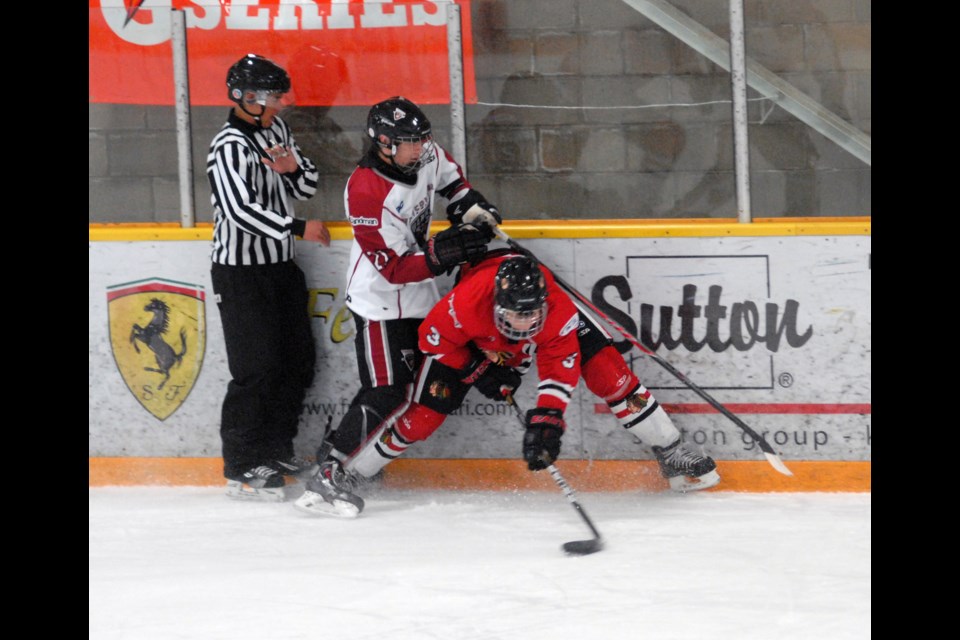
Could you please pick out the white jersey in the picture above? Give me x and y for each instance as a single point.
(387, 276)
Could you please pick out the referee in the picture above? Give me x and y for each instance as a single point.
(256, 170)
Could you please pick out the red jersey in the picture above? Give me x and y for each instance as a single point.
(466, 315)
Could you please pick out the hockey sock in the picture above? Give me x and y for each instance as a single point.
(377, 453)
(655, 428)
(364, 419)
(607, 375)
(416, 423)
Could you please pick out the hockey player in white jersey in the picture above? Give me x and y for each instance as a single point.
(389, 201)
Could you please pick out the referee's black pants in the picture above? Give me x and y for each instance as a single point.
(271, 355)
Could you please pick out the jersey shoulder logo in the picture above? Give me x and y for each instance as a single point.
(572, 324)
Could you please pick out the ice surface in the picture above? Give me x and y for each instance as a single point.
(186, 562)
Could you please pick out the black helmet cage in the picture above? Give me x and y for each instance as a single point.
(255, 73)
(520, 288)
(400, 120)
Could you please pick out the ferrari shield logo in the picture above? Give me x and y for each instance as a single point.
(158, 335)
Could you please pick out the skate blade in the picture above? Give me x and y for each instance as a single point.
(313, 504)
(240, 491)
(684, 484)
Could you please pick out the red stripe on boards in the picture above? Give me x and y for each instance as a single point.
(758, 408)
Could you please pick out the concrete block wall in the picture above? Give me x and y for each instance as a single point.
(542, 163)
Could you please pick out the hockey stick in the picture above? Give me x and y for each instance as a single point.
(575, 547)
(768, 451)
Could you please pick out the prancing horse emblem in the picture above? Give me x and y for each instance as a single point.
(152, 336)
(159, 356)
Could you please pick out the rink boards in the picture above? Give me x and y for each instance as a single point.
(771, 319)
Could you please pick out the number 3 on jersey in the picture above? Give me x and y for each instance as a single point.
(434, 336)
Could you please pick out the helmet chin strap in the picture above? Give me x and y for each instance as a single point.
(263, 110)
(391, 157)
(407, 169)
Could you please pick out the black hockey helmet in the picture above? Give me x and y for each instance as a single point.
(520, 298)
(400, 120)
(255, 73)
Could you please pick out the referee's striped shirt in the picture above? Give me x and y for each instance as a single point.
(253, 210)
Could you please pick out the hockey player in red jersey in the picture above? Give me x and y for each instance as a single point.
(486, 332)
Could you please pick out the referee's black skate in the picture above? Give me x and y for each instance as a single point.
(685, 470)
(327, 493)
(260, 483)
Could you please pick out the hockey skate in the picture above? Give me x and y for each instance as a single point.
(297, 467)
(356, 483)
(685, 470)
(327, 494)
(260, 483)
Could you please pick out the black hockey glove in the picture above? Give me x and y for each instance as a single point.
(541, 442)
(483, 216)
(474, 209)
(453, 246)
(497, 381)
(475, 370)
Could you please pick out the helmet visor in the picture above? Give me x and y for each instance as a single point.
(270, 99)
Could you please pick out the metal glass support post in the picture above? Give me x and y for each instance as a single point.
(738, 79)
(762, 80)
(455, 62)
(181, 84)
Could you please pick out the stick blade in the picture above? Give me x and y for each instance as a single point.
(777, 463)
(582, 547)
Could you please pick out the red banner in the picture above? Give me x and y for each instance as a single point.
(339, 52)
